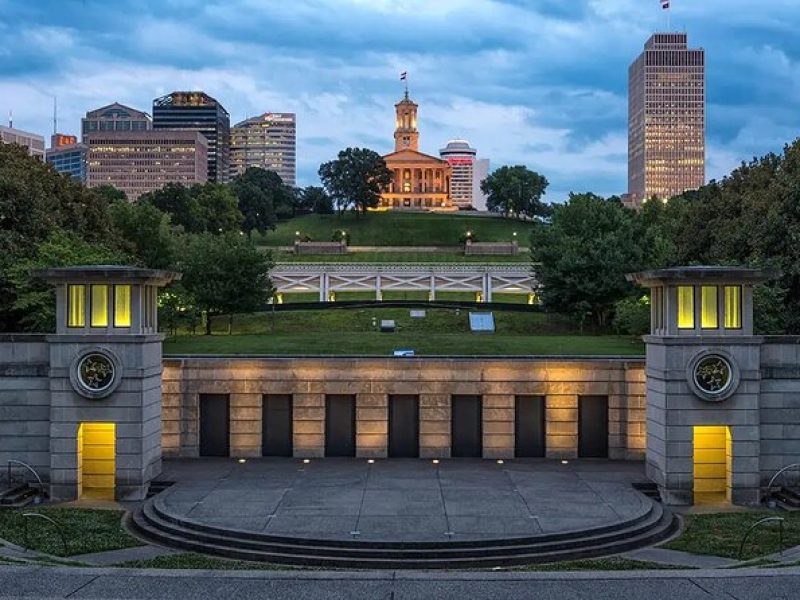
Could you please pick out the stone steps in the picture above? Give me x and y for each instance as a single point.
(18, 496)
(157, 525)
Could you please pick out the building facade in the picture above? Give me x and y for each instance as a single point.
(114, 117)
(62, 139)
(666, 119)
(197, 111)
(461, 158)
(32, 142)
(419, 181)
(138, 162)
(481, 172)
(70, 159)
(269, 142)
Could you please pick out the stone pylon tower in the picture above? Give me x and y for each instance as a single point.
(406, 134)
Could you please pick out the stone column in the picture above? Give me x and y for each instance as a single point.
(372, 425)
(561, 425)
(498, 426)
(434, 425)
(308, 414)
(246, 422)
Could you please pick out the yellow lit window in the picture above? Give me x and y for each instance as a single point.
(76, 307)
(733, 307)
(122, 306)
(685, 307)
(709, 317)
(99, 306)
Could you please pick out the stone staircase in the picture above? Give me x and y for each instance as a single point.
(152, 522)
(18, 495)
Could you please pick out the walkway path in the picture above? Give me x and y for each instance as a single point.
(745, 584)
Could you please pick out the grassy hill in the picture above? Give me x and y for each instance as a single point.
(442, 331)
(399, 229)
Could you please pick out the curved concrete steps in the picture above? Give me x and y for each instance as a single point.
(154, 523)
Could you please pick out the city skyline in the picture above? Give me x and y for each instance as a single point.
(474, 66)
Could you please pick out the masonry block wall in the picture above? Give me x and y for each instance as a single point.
(434, 380)
(25, 402)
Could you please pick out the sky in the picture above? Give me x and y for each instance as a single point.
(536, 82)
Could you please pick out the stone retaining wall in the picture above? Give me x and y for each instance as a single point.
(433, 380)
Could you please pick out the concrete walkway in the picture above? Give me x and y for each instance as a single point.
(745, 584)
(403, 500)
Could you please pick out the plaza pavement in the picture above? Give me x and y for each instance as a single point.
(403, 500)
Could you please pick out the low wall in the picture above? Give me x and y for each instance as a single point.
(320, 248)
(491, 248)
(433, 380)
(779, 403)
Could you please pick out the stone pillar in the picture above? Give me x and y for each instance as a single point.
(308, 414)
(561, 426)
(434, 425)
(498, 426)
(246, 422)
(372, 425)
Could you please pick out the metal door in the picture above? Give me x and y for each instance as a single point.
(403, 426)
(214, 425)
(466, 427)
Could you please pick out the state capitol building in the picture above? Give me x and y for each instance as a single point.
(420, 181)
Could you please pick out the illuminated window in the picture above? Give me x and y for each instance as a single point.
(733, 307)
(685, 307)
(99, 304)
(122, 306)
(709, 317)
(76, 305)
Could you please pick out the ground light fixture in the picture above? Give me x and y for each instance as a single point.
(499, 461)
(435, 461)
(371, 461)
(242, 461)
(564, 462)
(306, 461)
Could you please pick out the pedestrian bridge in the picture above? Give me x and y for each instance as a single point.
(482, 279)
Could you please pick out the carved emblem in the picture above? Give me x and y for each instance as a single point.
(713, 374)
(96, 372)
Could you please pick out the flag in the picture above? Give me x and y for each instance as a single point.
(665, 4)
(403, 75)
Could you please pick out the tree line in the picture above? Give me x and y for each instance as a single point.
(751, 217)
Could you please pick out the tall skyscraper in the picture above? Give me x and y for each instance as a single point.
(32, 142)
(268, 141)
(114, 117)
(197, 111)
(666, 119)
(461, 157)
(138, 162)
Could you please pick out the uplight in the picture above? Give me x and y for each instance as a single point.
(564, 462)
(242, 461)
(500, 461)
(371, 461)
(306, 461)
(435, 461)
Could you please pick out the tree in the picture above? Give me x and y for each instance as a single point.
(34, 299)
(356, 178)
(177, 308)
(146, 232)
(259, 193)
(225, 274)
(318, 200)
(110, 194)
(36, 202)
(582, 256)
(218, 208)
(515, 191)
(179, 203)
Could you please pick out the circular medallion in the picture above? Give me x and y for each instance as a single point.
(713, 376)
(95, 373)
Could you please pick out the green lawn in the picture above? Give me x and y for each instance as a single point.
(86, 530)
(191, 560)
(399, 229)
(720, 534)
(442, 331)
(397, 257)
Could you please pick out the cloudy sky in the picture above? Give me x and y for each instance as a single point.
(535, 82)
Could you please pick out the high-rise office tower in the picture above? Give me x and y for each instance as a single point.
(666, 119)
(461, 157)
(69, 159)
(114, 117)
(138, 162)
(197, 111)
(268, 141)
(32, 142)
